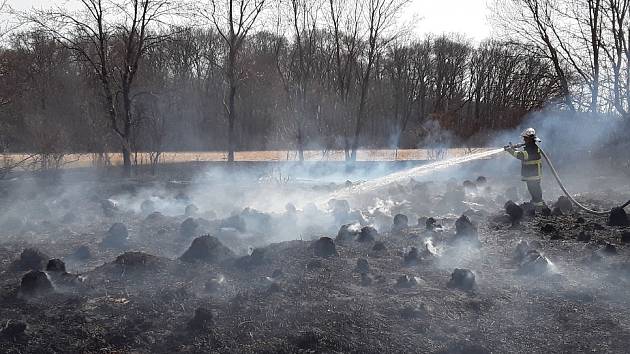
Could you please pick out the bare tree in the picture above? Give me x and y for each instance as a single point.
(380, 17)
(345, 20)
(405, 84)
(3, 9)
(233, 19)
(9, 26)
(507, 82)
(617, 49)
(296, 68)
(155, 131)
(5, 29)
(578, 34)
(594, 34)
(112, 36)
(534, 22)
(450, 62)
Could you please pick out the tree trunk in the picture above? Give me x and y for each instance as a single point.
(126, 161)
(231, 112)
(300, 143)
(346, 146)
(126, 149)
(231, 121)
(362, 102)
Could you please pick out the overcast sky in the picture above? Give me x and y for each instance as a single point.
(468, 17)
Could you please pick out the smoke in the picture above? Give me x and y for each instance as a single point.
(564, 134)
(287, 201)
(257, 204)
(253, 205)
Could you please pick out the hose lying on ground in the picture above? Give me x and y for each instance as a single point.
(555, 174)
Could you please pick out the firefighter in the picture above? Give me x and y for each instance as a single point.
(531, 165)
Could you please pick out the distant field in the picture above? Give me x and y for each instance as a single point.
(87, 160)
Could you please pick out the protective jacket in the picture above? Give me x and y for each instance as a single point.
(531, 162)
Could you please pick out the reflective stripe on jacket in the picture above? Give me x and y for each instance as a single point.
(531, 165)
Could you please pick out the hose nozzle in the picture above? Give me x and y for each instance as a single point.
(513, 146)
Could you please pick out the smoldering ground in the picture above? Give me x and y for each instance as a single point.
(265, 280)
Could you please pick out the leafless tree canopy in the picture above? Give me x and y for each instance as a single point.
(586, 41)
(157, 75)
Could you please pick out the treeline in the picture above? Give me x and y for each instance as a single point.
(178, 99)
(302, 74)
(586, 42)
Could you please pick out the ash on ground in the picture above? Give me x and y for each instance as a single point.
(162, 267)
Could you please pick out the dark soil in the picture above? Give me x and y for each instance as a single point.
(413, 290)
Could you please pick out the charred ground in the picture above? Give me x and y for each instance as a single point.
(244, 289)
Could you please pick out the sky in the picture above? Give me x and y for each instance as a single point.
(468, 17)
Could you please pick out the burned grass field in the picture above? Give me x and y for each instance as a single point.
(248, 264)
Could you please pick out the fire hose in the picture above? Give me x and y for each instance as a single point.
(575, 202)
(557, 177)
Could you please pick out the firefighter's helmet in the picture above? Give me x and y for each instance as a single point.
(529, 133)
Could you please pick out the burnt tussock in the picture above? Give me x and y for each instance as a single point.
(348, 278)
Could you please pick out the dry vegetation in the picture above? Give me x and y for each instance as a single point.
(113, 159)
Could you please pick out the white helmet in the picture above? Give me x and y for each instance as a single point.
(529, 132)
